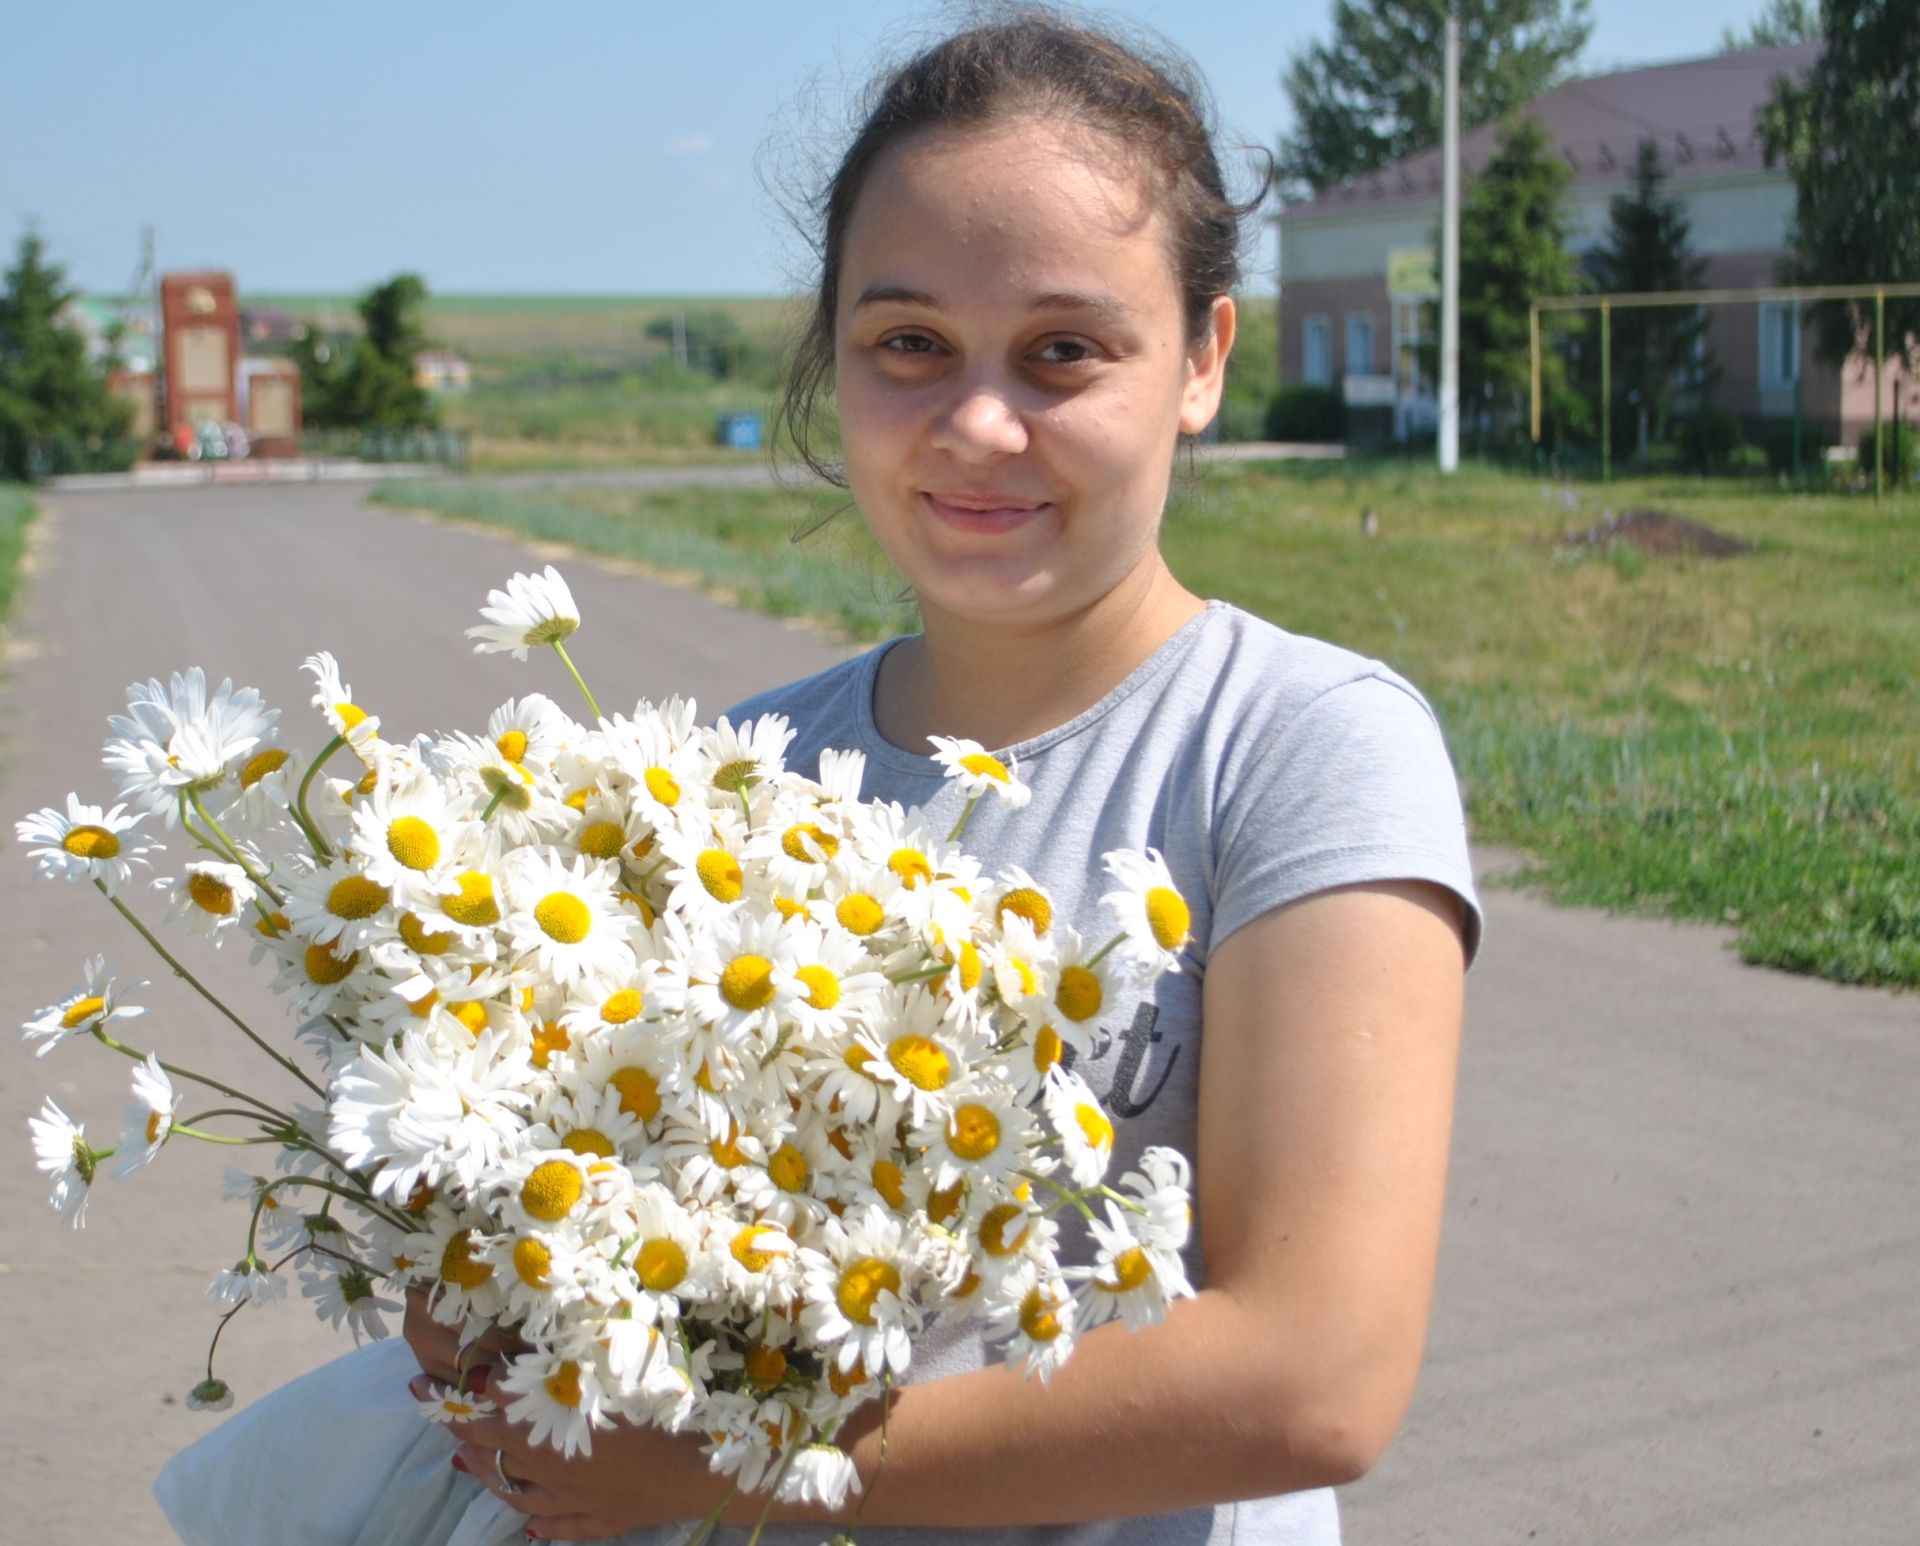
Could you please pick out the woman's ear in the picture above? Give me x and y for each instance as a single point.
(1207, 369)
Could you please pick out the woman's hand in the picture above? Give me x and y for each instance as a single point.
(438, 1349)
(636, 1476)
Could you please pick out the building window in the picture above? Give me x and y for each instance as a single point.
(1779, 344)
(1359, 343)
(1319, 352)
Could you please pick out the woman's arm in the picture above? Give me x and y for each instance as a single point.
(1331, 1032)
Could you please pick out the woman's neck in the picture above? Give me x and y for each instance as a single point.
(1000, 685)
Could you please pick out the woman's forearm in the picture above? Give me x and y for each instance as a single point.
(1193, 1412)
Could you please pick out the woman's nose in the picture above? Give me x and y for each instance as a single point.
(983, 418)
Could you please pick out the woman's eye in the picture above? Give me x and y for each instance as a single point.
(908, 343)
(1065, 351)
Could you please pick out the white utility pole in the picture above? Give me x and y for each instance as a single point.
(1449, 438)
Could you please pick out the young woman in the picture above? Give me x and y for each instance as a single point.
(1024, 306)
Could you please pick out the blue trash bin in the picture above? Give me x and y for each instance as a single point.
(738, 431)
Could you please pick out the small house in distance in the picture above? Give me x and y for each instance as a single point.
(1358, 280)
(441, 370)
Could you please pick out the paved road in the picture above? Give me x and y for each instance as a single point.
(1677, 1296)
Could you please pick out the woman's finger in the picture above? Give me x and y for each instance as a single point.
(573, 1527)
(494, 1470)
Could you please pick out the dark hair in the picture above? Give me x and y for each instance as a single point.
(1034, 62)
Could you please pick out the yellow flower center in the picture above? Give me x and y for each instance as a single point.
(1130, 1269)
(736, 776)
(921, 1061)
(789, 907)
(726, 1151)
(459, 1266)
(982, 766)
(421, 1007)
(859, 913)
(349, 715)
(564, 1383)
(369, 781)
(912, 866)
(996, 1239)
(1037, 1317)
(603, 840)
(210, 894)
(354, 897)
(413, 842)
(661, 1265)
(969, 967)
(943, 1204)
(745, 1253)
(551, 1191)
(846, 1382)
(968, 1285)
(890, 1182)
(472, 902)
(81, 1011)
(549, 1037)
(1025, 902)
(563, 917)
(1094, 1126)
(577, 801)
(1078, 995)
(639, 1092)
(1046, 1048)
(622, 1006)
(324, 968)
(420, 941)
(857, 1057)
(533, 1262)
(512, 745)
(273, 925)
(719, 872)
(156, 1125)
(1168, 917)
(862, 1282)
(973, 1132)
(766, 1366)
(747, 982)
(260, 764)
(588, 1140)
(807, 844)
(662, 785)
(472, 1014)
(823, 988)
(788, 1167)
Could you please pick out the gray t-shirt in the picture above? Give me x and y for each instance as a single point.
(1265, 767)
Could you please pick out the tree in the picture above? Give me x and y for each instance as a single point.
(1780, 23)
(1513, 248)
(1372, 94)
(368, 383)
(1649, 246)
(51, 401)
(1845, 133)
(712, 339)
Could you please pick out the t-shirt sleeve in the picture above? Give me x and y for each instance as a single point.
(1356, 786)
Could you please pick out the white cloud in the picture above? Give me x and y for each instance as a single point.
(694, 144)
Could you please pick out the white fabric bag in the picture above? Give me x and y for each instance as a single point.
(338, 1457)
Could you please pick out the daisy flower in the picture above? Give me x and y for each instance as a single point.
(1129, 1278)
(534, 609)
(1163, 1189)
(1084, 1127)
(543, 1274)
(409, 835)
(210, 1395)
(210, 898)
(174, 738)
(984, 1137)
(741, 976)
(1034, 1315)
(757, 1265)
(710, 870)
(918, 1062)
(149, 1117)
(334, 698)
(667, 1267)
(247, 1281)
(856, 1295)
(92, 1006)
(565, 921)
(320, 977)
(740, 758)
(529, 731)
(61, 1151)
(87, 843)
(557, 1392)
(1151, 913)
(347, 1296)
(820, 1474)
(444, 1404)
(336, 904)
(977, 771)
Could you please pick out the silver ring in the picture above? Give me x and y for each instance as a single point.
(507, 1484)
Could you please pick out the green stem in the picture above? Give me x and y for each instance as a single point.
(233, 851)
(773, 1491)
(180, 971)
(220, 1328)
(223, 1111)
(260, 1203)
(711, 1522)
(186, 1131)
(1104, 950)
(324, 848)
(493, 804)
(966, 815)
(178, 1072)
(1066, 1194)
(567, 660)
(1126, 1202)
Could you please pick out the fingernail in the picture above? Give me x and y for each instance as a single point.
(458, 1463)
(418, 1385)
(534, 1535)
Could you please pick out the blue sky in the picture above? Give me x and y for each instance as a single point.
(585, 146)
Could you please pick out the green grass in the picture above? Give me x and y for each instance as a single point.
(16, 514)
(1733, 740)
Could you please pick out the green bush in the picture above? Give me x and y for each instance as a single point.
(1307, 413)
(1710, 438)
(1902, 456)
(1749, 462)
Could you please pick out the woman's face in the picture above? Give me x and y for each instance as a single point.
(1011, 370)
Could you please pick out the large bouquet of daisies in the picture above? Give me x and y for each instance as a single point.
(714, 1083)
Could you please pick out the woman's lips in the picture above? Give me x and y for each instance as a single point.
(981, 517)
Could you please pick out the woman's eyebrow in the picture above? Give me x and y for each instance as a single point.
(1053, 300)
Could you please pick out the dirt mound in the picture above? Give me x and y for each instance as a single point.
(1658, 531)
